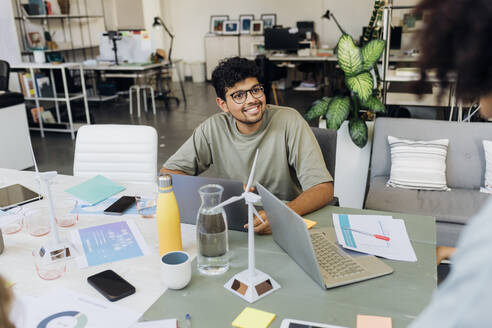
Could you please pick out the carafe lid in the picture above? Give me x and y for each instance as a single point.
(165, 181)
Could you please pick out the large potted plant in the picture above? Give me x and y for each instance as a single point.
(345, 110)
(357, 64)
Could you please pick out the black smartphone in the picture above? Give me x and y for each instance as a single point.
(111, 285)
(120, 206)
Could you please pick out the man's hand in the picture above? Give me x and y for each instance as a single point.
(261, 228)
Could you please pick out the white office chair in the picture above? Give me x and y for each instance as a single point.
(123, 153)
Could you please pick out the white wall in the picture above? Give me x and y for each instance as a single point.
(9, 51)
(190, 19)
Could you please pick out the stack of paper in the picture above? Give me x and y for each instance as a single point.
(64, 308)
(376, 235)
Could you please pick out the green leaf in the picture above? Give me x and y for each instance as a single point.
(317, 109)
(371, 53)
(338, 111)
(349, 56)
(373, 104)
(360, 84)
(358, 132)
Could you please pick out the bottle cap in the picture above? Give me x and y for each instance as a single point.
(165, 181)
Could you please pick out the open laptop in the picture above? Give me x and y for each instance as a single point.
(317, 251)
(186, 190)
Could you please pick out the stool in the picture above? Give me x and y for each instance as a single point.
(137, 88)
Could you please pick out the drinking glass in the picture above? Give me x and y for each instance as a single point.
(38, 222)
(15, 219)
(50, 266)
(67, 213)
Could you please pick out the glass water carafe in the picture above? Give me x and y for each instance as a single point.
(211, 232)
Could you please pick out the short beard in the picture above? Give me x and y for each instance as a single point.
(249, 122)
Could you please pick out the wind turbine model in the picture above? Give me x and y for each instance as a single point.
(250, 284)
(56, 249)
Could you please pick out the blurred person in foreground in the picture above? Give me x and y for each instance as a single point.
(456, 40)
(5, 305)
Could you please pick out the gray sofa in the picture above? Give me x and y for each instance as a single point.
(465, 170)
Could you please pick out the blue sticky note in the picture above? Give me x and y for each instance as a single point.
(95, 190)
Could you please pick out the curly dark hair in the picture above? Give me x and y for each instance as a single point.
(457, 39)
(230, 71)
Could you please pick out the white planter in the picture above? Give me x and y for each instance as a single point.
(351, 167)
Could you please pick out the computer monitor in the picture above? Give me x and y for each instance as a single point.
(281, 39)
(395, 39)
(305, 26)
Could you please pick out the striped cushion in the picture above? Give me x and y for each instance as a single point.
(418, 164)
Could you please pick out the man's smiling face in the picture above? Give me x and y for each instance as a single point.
(250, 113)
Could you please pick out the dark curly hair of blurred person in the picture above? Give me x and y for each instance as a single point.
(5, 304)
(230, 71)
(457, 39)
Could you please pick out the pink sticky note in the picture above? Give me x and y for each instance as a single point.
(372, 321)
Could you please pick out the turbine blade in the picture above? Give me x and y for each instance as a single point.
(227, 202)
(252, 173)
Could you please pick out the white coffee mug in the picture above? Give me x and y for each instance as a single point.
(177, 269)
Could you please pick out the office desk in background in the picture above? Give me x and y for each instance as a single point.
(401, 295)
(140, 72)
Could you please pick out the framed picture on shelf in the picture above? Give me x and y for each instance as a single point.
(245, 23)
(35, 40)
(257, 27)
(269, 20)
(217, 23)
(231, 27)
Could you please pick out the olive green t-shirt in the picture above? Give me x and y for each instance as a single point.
(289, 159)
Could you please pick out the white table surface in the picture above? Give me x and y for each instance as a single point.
(17, 265)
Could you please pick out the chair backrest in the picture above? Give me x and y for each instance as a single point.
(4, 75)
(327, 140)
(123, 153)
(465, 162)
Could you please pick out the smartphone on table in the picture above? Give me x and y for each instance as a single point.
(120, 206)
(291, 323)
(111, 285)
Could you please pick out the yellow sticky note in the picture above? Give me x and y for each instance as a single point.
(372, 321)
(253, 318)
(310, 223)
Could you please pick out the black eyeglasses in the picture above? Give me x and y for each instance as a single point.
(239, 97)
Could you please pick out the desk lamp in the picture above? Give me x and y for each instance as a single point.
(158, 23)
(328, 15)
(250, 284)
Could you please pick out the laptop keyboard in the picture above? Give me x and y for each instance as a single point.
(329, 257)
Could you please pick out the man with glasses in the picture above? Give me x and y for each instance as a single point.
(290, 163)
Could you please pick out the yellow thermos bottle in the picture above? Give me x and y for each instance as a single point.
(167, 214)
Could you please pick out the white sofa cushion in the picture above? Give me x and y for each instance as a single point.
(418, 164)
(487, 148)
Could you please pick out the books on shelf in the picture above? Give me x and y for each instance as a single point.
(46, 116)
(43, 86)
(39, 86)
(27, 84)
(34, 113)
